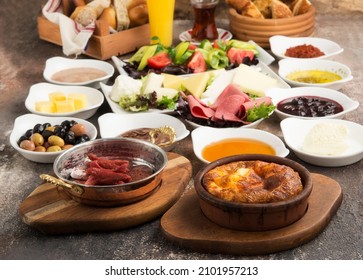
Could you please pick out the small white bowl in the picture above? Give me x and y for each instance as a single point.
(203, 136)
(40, 92)
(28, 121)
(290, 65)
(56, 64)
(295, 130)
(279, 94)
(279, 44)
(112, 124)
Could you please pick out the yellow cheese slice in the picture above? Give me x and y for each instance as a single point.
(44, 107)
(79, 100)
(196, 84)
(56, 96)
(64, 106)
(172, 81)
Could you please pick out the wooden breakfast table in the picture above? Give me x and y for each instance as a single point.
(23, 56)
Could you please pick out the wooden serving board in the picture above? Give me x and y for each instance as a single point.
(186, 225)
(51, 211)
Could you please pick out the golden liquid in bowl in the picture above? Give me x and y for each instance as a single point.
(313, 76)
(235, 146)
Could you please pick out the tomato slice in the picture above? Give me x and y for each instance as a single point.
(197, 63)
(236, 55)
(159, 60)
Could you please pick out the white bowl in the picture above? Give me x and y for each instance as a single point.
(280, 94)
(28, 121)
(294, 131)
(56, 64)
(40, 92)
(112, 124)
(279, 44)
(289, 65)
(203, 136)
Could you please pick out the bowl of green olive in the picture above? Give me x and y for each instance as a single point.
(41, 139)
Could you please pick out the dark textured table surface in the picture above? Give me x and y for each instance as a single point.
(22, 59)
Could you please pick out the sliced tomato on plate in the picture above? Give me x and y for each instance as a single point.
(197, 63)
(236, 55)
(159, 60)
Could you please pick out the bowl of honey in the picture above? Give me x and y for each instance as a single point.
(210, 144)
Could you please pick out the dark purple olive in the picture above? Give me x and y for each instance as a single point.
(70, 138)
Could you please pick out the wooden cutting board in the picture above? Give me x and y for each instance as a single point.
(185, 225)
(51, 211)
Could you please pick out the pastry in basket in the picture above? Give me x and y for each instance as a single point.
(280, 10)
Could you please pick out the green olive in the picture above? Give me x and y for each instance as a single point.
(54, 149)
(56, 141)
(37, 139)
(27, 145)
(40, 149)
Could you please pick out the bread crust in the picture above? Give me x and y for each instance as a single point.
(122, 16)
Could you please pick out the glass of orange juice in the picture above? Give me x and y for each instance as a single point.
(161, 16)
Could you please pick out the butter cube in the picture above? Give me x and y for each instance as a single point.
(79, 100)
(44, 107)
(64, 106)
(56, 96)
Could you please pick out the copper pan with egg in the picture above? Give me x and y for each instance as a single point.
(145, 164)
(252, 215)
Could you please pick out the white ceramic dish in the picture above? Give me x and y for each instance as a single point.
(28, 121)
(279, 44)
(294, 131)
(279, 95)
(116, 108)
(289, 65)
(56, 64)
(111, 124)
(203, 136)
(40, 92)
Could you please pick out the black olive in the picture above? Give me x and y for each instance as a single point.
(59, 131)
(66, 124)
(46, 125)
(22, 138)
(28, 133)
(81, 139)
(69, 137)
(46, 134)
(36, 127)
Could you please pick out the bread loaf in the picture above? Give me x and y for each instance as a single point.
(122, 16)
(109, 15)
(250, 10)
(264, 7)
(137, 11)
(280, 10)
(300, 7)
(87, 14)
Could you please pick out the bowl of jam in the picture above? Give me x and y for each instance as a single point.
(311, 102)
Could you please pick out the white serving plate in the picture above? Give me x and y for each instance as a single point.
(279, 94)
(28, 121)
(294, 131)
(289, 65)
(279, 44)
(56, 64)
(263, 57)
(203, 136)
(112, 125)
(40, 92)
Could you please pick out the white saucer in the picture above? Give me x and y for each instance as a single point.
(222, 34)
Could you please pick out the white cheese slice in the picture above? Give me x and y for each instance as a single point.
(252, 81)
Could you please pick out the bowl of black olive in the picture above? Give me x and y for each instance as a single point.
(311, 102)
(42, 139)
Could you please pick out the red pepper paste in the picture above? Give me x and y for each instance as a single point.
(304, 51)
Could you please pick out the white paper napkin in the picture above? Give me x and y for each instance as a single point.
(74, 36)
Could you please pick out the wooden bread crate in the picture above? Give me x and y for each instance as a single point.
(100, 46)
